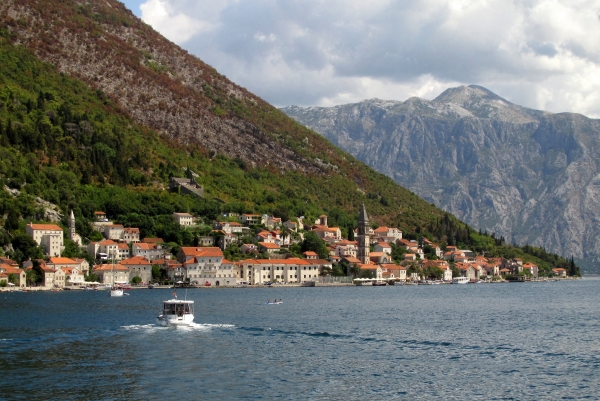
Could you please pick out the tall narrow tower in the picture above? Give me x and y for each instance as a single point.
(72, 226)
(364, 242)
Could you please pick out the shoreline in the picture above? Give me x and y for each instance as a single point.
(162, 287)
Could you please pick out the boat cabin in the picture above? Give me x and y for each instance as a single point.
(178, 308)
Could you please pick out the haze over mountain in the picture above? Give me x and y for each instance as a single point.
(528, 175)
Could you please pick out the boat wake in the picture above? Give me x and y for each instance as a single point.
(191, 327)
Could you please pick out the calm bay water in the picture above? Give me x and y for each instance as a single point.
(521, 341)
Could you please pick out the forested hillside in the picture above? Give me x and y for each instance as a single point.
(73, 144)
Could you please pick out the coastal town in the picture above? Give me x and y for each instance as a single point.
(123, 258)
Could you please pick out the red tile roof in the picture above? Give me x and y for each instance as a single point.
(46, 227)
(136, 260)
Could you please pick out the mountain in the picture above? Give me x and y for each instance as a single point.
(92, 99)
(527, 175)
(98, 112)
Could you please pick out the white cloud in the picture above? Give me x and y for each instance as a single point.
(538, 53)
(172, 23)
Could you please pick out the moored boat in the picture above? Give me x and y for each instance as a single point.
(460, 280)
(176, 312)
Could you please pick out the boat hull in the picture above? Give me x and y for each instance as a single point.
(174, 320)
(116, 293)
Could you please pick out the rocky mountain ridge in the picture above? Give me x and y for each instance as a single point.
(528, 175)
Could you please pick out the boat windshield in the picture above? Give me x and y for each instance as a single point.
(177, 309)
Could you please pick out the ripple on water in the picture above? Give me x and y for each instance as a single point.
(486, 342)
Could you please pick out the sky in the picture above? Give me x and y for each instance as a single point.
(542, 54)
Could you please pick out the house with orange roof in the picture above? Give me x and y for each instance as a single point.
(380, 257)
(411, 257)
(131, 234)
(310, 255)
(492, 269)
(291, 270)
(140, 267)
(467, 270)
(560, 272)
(351, 260)
(250, 219)
(398, 271)
(149, 240)
(373, 270)
(72, 276)
(100, 216)
(187, 253)
(205, 266)
(112, 273)
(148, 250)
(346, 248)
(265, 236)
(268, 247)
(7, 269)
(383, 247)
(531, 268)
(104, 250)
(230, 227)
(81, 266)
(49, 279)
(327, 232)
(48, 236)
(387, 232)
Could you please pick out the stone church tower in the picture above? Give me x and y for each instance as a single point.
(72, 234)
(363, 239)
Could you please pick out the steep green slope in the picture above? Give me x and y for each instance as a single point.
(63, 141)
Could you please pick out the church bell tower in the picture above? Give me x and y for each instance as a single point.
(363, 239)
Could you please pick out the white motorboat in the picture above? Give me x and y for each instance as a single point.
(460, 280)
(176, 313)
(116, 291)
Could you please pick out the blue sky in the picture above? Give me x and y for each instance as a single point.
(542, 54)
(134, 5)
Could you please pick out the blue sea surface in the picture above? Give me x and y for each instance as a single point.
(516, 341)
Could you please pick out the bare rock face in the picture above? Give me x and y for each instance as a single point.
(528, 175)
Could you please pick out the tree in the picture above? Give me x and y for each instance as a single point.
(32, 276)
(92, 277)
(71, 249)
(313, 243)
(136, 280)
(12, 220)
(96, 236)
(13, 278)
(455, 270)
(367, 273)
(28, 247)
(354, 270)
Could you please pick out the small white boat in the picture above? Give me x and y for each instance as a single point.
(176, 313)
(116, 291)
(274, 303)
(460, 280)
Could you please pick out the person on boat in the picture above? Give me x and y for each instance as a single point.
(269, 301)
